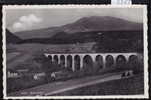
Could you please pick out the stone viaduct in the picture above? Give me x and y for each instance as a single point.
(65, 58)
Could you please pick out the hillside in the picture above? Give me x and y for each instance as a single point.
(111, 41)
(86, 24)
(39, 33)
(82, 37)
(11, 38)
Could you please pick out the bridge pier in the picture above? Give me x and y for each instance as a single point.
(59, 59)
(81, 63)
(104, 61)
(52, 58)
(73, 67)
(114, 60)
(65, 61)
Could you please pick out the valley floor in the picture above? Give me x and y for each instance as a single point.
(110, 84)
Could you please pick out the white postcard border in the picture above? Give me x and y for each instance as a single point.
(146, 84)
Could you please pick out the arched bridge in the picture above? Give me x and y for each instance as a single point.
(80, 59)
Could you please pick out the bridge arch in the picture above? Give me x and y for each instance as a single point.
(133, 58)
(121, 61)
(55, 59)
(136, 63)
(109, 61)
(77, 62)
(50, 57)
(62, 60)
(69, 62)
(87, 62)
(99, 61)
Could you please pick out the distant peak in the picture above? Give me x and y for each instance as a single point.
(99, 18)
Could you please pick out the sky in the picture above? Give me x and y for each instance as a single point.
(30, 19)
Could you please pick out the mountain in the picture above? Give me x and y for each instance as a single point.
(97, 23)
(39, 33)
(110, 34)
(11, 38)
(86, 24)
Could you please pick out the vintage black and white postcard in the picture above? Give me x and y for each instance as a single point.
(75, 51)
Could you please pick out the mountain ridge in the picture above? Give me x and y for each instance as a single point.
(85, 24)
(103, 23)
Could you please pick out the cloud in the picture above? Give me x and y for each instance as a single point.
(26, 22)
(17, 25)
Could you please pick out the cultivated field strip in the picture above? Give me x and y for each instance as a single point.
(11, 56)
(17, 60)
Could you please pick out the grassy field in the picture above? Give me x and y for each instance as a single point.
(52, 48)
(130, 86)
